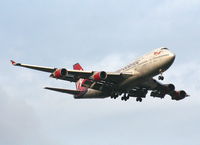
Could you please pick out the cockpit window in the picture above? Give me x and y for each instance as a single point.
(164, 49)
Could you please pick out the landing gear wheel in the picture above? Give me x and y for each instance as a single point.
(161, 75)
(161, 78)
(114, 96)
(125, 98)
(138, 99)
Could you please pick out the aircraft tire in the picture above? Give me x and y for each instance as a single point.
(138, 99)
(161, 78)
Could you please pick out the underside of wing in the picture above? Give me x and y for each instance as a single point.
(93, 77)
(102, 76)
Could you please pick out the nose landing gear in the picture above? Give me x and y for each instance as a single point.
(161, 77)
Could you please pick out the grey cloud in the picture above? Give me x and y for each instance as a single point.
(19, 124)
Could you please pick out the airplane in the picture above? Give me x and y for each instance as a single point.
(133, 80)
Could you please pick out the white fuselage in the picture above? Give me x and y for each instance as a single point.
(141, 70)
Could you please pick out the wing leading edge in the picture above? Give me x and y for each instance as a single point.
(39, 68)
(75, 75)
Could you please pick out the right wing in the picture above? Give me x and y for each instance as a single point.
(75, 75)
(43, 69)
(39, 68)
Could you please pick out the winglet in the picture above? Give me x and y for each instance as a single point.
(14, 63)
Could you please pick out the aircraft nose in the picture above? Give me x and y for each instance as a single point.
(172, 56)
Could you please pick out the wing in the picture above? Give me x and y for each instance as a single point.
(39, 68)
(157, 89)
(43, 69)
(160, 90)
(75, 75)
(96, 76)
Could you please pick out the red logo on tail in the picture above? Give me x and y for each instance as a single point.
(77, 66)
(79, 83)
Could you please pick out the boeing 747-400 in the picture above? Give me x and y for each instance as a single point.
(134, 80)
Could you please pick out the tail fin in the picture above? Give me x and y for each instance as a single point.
(77, 66)
(79, 83)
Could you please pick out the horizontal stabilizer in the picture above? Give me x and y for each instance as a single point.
(72, 92)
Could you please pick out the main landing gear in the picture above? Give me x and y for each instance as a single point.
(114, 96)
(125, 97)
(161, 77)
(138, 93)
(139, 99)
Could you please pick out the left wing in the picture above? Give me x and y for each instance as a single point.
(157, 89)
(160, 90)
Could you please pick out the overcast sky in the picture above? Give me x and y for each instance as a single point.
(101, 35)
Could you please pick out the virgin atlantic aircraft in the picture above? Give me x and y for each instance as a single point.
(134, 80)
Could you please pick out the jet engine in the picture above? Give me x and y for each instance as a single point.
(169, 88)
(98, 76)
(60, 73)
(162, 90)
(178, 95)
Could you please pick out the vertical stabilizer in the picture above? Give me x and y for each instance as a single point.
(77, 66)
(79, 87)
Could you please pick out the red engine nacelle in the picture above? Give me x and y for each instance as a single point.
(60, 73)
(98, 76)
(178, 95)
